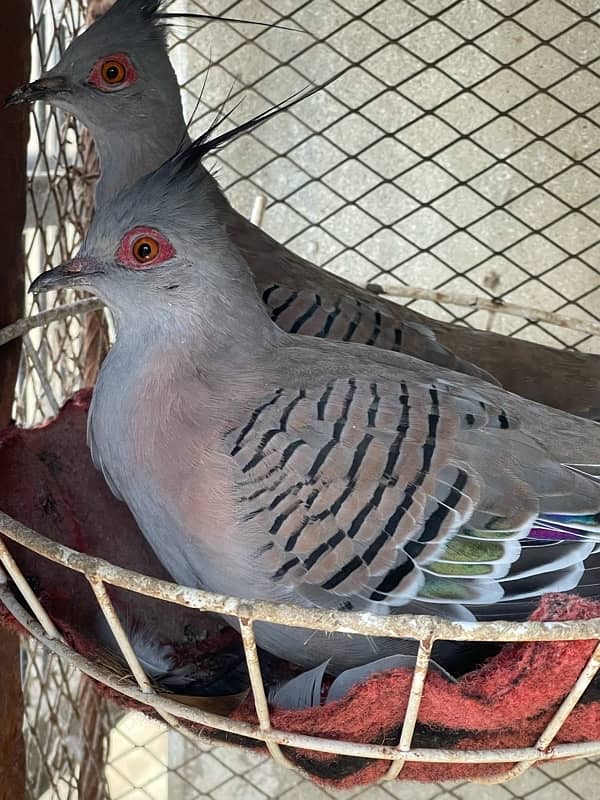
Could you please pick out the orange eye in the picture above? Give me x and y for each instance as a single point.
(113, 72)
(145, 249)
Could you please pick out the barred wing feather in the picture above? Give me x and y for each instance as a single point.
(371, 495)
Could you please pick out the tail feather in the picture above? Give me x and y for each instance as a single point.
(568, 526)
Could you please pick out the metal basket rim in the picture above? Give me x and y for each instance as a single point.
(172, 711)
(367, 624)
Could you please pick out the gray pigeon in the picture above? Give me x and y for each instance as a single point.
(327, 474)
(118, 80)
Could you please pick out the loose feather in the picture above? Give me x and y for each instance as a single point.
(303, 691)
(306, 689)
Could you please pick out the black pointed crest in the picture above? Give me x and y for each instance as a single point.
(180, 189)
(151, 10)
(187, 159)
(230, 20)
(179, 185)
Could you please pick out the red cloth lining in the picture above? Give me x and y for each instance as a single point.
(504, 704)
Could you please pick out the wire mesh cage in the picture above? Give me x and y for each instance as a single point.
(450, 163)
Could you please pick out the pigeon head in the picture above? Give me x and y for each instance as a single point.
(161, 244)
(117, 79)
(118, 67)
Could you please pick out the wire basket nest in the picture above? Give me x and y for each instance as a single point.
(260, 727)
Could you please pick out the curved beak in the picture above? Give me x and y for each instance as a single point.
(77, 272)
(47, 86)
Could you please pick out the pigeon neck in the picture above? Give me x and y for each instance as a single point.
(218, 315)
(146, 151)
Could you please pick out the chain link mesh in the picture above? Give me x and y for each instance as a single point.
(51, 360)
(455, 147)
(62, 719)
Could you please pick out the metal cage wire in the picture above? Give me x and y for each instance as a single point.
(454, 149)
(452, 162)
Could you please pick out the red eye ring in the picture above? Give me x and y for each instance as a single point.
(143, 248)
(113, 73)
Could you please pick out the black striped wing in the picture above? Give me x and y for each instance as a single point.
(355, 485)
(348, 319)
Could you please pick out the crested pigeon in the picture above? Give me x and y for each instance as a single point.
(116, 78)
(328, 474)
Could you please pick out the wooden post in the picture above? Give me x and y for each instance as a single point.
(15, 42)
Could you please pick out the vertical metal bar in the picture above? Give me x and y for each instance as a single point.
(118, 631)
(14, 131)
(258, 691)
(32, 601)
(258, 210)
(94, 717)
(571, 700)
(412, 708)
(12, 745)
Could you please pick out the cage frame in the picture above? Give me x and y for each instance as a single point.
(425, 629)
(542, 751)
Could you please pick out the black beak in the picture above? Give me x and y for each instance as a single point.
(41, 89)
(76, 272)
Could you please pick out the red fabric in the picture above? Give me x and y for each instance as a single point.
(504, 704)
(49, 483)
